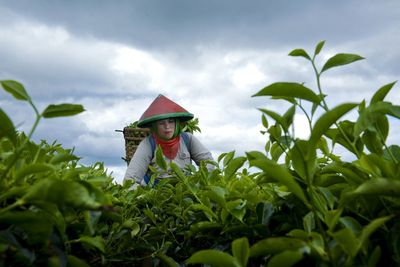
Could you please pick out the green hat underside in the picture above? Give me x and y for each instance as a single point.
(183, 116)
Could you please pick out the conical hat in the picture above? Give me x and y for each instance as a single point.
(163, 108)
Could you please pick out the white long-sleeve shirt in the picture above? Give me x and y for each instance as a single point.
(144, 156)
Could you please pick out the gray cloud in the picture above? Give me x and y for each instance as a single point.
(180, 23)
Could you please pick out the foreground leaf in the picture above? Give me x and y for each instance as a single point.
(381, 93)
(6, 127)
(280, 174)
(379, 186)
(287, 89)
(16, 89)
(299, 53)
(213, 258)
(327, 120)
(62, 110)
(339, 60)
(276, 245)
(96, 242)
(240, 250)
(287, 258)
(167, 261)
(372, 114)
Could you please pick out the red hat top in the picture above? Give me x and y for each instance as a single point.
(163, 108)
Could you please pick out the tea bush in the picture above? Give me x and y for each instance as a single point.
(305, 206)
(346, 213)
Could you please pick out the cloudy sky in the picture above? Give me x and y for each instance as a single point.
(115, 57)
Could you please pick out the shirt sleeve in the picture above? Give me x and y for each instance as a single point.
(139, 163)
(198, 151)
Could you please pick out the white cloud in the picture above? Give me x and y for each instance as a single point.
(247, 76)
(301, 126)
(116, 82)
(131, 61)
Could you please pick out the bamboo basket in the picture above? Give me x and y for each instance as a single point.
(133, 137)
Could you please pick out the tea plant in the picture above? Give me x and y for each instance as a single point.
(348, 211)
(306, 206)
(46, 199)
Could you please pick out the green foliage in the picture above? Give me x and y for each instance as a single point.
(303, 206)
(349, 210)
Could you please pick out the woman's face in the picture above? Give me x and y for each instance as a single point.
(166, 128)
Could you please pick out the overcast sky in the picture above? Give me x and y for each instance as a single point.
(115, 57)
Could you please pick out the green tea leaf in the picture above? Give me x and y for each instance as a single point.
(213, 258)
(63, 157)
(332, 217)
(381, 93)
(216, 194)
(326, 120)
(62, 192)
(286, 98)
(160, 160)
(374, 257)
(289, 116)
(167, 261)
(276, 245)
(280, 174)
(286, 258)
(351, 223)
(287, 89)
(372, 227)
(373, 142)
(379, 186)
(372, 114)
(347, 240)
(241, 250)
(309, 222)
(7, 128)
(318, 48)
(62, 110)
(299, 53)
(96, 242)
(276, 151)
(36, 225)
(175, 168)
(330, 198)
(76, 262)
(228, 157)
(233, 166)
(339, 60)
(237, 208)
(53, 215)
(264, 212)
(303, 159)
(264, 121)
(16, 89)
(275, 133)
(204, 226)
(206, 210)
(34, 168)
(392, 150)
(276, 117)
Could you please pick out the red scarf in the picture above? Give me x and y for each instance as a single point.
(169, 147)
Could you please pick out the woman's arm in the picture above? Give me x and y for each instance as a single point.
(139, 163)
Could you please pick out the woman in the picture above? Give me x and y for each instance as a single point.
(164, 118)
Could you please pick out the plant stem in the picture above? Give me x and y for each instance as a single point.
(307, 116)
(22, 146)
(384, 144)
(17, 203)
(326, 108)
